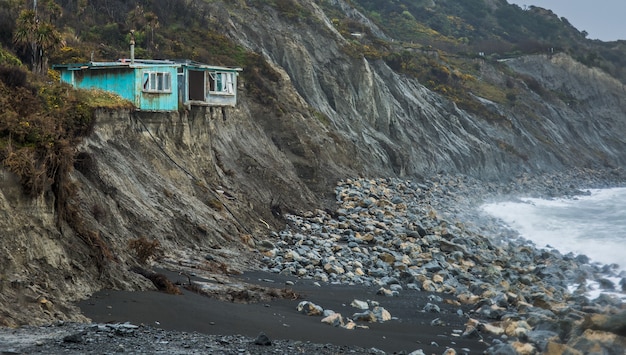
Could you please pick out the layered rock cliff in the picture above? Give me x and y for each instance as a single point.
(213, 181)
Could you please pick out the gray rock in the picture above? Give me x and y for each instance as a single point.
(75, 338)
(437, 322)
(432, 266)
(435, 298)
(471, 333)
(367, 316)
(360, 304)
(501, 349)
(432, 308)
(309, 308)
(262, 339)
(541, 338)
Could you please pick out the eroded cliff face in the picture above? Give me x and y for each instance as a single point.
(211, 183)
(206, 184)
(399, 126)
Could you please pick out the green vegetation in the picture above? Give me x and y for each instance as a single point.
(44, 120)
(442, 43)
(216, 204)
(436, 42)
(41, 123)
(38, 38)
(322, 118)
(289, 9)
(9, 59)
(494, 28)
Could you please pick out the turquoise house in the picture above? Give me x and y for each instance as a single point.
(157, 85)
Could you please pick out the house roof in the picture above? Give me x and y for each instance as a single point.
(197, 65)
(143, 63)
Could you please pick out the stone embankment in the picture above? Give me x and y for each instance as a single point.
(397, 234)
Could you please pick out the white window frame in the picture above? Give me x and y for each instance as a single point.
(157, 82)
(224, 82)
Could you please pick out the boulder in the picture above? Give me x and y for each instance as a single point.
(541, 338)
(501, 349)
(359, 304)
(524, 348)
(599, 342)
(262, 339)
(309, 308)
(382, 315)
(335, 319)
(610, 323)
(449, 351)
(351, 325)
(493, 329)
(386, 292)
(387, 257)
(471, 333)
(554, 348)
(378, 314)
(433, 308)
(367, 316)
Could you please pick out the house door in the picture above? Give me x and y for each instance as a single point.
(196, 85)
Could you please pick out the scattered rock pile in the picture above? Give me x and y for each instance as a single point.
(376, 314)
(397, 234)
(403, 236)
(77, 338)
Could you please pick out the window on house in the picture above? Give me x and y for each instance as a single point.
(157, 82)
(222, 83)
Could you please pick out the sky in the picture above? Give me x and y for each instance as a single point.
(602, 19)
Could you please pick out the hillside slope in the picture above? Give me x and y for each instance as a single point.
(211, 184)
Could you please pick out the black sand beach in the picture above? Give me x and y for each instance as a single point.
(390, 235)
(408, 331)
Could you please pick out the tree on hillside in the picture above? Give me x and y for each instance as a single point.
(36, 36)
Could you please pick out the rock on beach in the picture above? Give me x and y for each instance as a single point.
(400, 238)
(398, 235)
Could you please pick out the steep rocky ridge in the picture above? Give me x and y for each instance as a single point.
(210, 182)
(397, 124)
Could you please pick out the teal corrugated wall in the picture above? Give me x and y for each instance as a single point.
(127, 82)
(161, 101)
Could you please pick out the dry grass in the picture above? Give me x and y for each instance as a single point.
(41, 123)
(145, 249)
(103, 99)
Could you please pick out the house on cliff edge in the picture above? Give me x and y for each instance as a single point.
(157, 85)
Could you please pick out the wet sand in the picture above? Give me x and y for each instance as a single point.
(408, 331)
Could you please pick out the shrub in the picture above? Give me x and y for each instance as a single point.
(145, 249)
(291, 9)
(7, 58)
(12, 76)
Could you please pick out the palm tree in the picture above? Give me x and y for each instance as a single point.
(152, 22)
(25, 28)
(37, 37)
(48, 39)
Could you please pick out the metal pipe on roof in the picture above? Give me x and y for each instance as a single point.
(132, 47)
